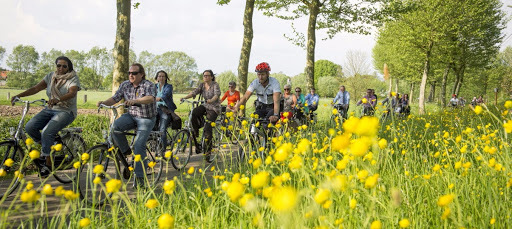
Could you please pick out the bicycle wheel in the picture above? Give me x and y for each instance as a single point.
(181, 149)
(8, 180)
(154, 157)
(73, 145)
(91, 185)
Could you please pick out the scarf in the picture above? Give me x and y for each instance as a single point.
(57, 82)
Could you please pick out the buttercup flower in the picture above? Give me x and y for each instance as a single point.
(283, 199)
(113, 185)
(84, 222)
(165, 221)
(151, 203)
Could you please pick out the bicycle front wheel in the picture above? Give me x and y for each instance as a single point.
(91, 182)
(73, 145)
(154, 157)
(181, 149)
(10, 171)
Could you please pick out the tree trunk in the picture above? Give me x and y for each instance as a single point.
(423, 85)
(460, 77)
(396, 85)
(314, 9)
(432, 93)
(411, 97)
(443, 84)
(245, 54)
(391, 85)
(122, 44)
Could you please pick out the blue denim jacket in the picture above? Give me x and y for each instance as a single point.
(167, 96)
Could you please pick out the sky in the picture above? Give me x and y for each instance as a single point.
(209, 33)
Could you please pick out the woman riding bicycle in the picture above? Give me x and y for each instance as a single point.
(164, 103)
(289, 102)
(61, 88)
(210, 91)
(232, 95)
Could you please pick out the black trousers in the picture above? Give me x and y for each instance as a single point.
(197, 122)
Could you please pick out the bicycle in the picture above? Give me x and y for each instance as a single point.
(184, 142)
(106, 162)
(257, 140)
(62, 161)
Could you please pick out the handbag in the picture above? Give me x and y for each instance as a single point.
(175, 119)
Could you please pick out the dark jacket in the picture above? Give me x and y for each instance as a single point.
(167, 96)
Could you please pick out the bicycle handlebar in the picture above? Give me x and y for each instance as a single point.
(42, 101)
(192, 101)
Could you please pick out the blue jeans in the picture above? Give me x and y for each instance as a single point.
(144, 127)
(50, 122)
(164, 121)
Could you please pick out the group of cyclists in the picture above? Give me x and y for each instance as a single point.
(456, 101)
(150, 106)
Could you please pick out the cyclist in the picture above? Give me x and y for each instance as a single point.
(232, 95)
(61, 88)
(454, 101)
(343, 98)
(300, 109)
(369, 101)
(164, 103)
(312, 100)
(135, 91)
(210, 91)
(289, 101)
(268, 91)
(404, 103)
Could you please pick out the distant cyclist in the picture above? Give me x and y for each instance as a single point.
(368, 101)
(232, 95)
(343, 99)
(312, 100)
(268, 92)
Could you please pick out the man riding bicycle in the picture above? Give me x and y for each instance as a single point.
(369, 101)
(268, 91)
(343, 98)
(137, 90)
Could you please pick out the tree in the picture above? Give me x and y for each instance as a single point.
(90, 79)
(181, 68)
(23, 59)
(329, 86)
(2, 53)
(245, 53)
(357, 86)
(357, 63)
(122, 43)
(223, 80)
(147, 60)
(99, 60)
(333, 15)
(78, 58)
(327, 68)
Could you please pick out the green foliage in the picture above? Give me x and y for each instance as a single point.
(328, 86)
(22, 79)
(282, 78)
(300, 81)
(78, 58)
(90, 80)
(327, 68)
(2, 53)
(357, 86)
(223, 80)
(23, 58)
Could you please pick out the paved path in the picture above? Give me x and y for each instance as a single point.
(21, 211)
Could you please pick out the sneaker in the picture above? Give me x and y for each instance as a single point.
(44, 172)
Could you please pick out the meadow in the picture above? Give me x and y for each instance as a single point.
(446, 169)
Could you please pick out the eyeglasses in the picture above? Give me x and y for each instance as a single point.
(206, 75)
(297, 91)
(63, 66)
(287, 89)
(133, 73)
(231, 86)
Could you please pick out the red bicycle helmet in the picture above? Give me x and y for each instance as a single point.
(263, 67)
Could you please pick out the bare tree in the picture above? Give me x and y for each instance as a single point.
(357, 63)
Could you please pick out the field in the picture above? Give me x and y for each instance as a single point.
(446, 169)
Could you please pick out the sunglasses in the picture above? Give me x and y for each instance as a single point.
(231, 86)
(297, 91)
(287, 89)
(63, 66)
(133, 73)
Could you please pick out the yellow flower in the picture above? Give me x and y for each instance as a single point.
(242, 107)
(59, 191)
(47, 189)
(508, 126)
(212, 124)
(362, 175)
(85, 156)
(34, 154)
(295, 163)
(508, 104)
(235, 190)
(367, 126)
(169, 186)
(283, 151)
(445, 200)
(190, 170)
(245, 198)
(243, 180)
(283, 199)
(352, 203)
(137, 158)
(2, 172)
(57, 147)
(383, 143)
(29, 196)
(427, 125)
(360, 146)
(98, 169)
(260, 180)
(9, 162)
(340, 142)
(493, 221)
(151, 203)
(30, 186)
(85, 222)
(404, 223)
(76, 165)
(364, 100)
(376, 225)
(70, 195)
(371, 181)
(168, 154)
(96, 180)
(446, 213)
(29, 141)
(165, 221)
(256, 163)
(303, 146)
(322, 195)
(113, 185)
(478, 109)
(334, 111)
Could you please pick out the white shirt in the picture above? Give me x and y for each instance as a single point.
(265, 94)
